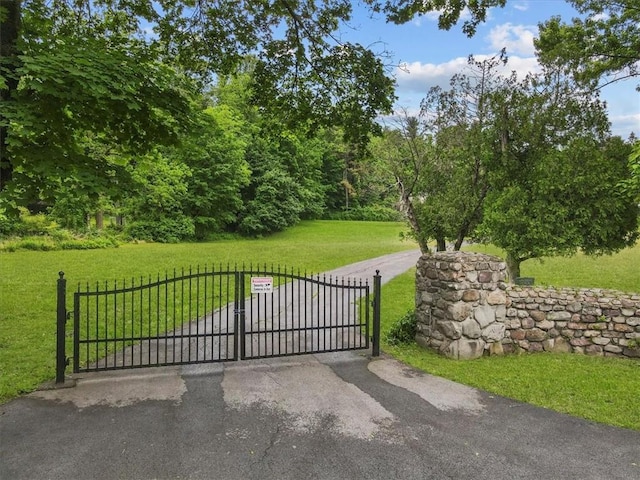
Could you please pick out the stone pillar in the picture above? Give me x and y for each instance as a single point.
(461, 303)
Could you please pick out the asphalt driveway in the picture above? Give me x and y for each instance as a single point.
(327, 416)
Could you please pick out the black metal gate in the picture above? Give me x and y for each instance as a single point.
(215, 315)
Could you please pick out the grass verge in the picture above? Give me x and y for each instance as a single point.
(599, 389)
(28, 280)
(620, 271)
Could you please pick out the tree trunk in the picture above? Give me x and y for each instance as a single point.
(99, 220)
(513, 267)
(9, 32)
(441, 244)
(407, 206)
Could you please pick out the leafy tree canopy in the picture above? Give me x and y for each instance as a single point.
(557, 185)
(402, 11)
(605, 43)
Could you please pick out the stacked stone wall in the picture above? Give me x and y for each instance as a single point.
(465, 309)
(591, 321)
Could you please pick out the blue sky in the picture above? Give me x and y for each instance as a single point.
(431, 56)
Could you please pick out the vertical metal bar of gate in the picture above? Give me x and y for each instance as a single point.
(375, 349)
(61, 358)
(240, 313)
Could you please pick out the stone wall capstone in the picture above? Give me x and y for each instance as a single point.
(465, 309)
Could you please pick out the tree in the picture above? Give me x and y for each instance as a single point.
(214, 151)
(9, 33)
(606, 43)
(441, 159)
(405, 153)
(632, 185)
(85, 97)
(556, 188)
(449, 11)
(286, 180)
(305, 74)
(156, 206)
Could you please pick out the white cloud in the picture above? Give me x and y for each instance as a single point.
(517, 39)
(417, 77)
(522, 6)
(623, 125)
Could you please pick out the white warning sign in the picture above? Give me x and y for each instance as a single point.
(261, 284)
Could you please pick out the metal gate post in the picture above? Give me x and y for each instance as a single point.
(375, 349)
(61, 357)
(241, 316)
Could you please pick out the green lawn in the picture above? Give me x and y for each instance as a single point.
(620, 271)
(28, 280)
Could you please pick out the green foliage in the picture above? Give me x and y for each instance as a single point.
(161, 229)
(370, 213)
(441, 159)
(276, 205)
(631, 186)
(29, 225)
(156, 206)
(82, 101)
(39, 232)
(603, 45)
(53, 242)
(286, 180)
(38, 243)
(214, 153)
(548, 200)
(449, 13)
(403, 330)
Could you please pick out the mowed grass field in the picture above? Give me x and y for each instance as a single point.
(28, 280)
(599, 389)
(620, 271)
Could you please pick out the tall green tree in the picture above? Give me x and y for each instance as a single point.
(556, 188)
(441, 159)
(155, 209)
(286, 180)
(87, 95)
(405, 152)
(214, 152)
(305, 74)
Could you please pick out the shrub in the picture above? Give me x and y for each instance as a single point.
(403, 330)
(50, 242)
(88, 243)
(39, 243)
(163, 230)
(371, 213)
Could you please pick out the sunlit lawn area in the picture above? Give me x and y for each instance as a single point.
(620, 271)
(28, 279)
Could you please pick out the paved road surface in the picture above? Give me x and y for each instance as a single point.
(324, 416)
